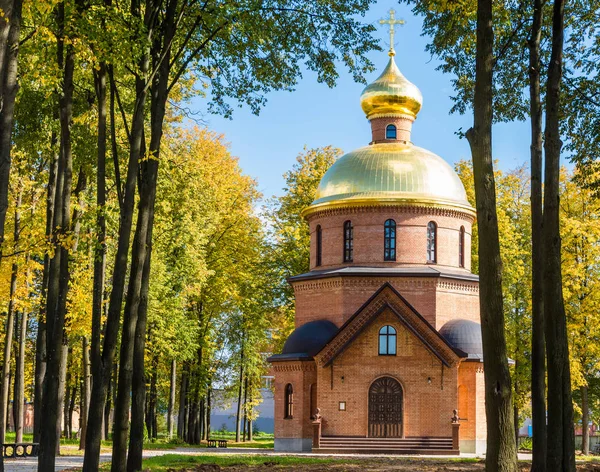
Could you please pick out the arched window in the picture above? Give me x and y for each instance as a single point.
(431, 242)
(390, 132)
(348, 241)
(461, 247)
(389, 240)
(387, 341)
(289, 401)
(319, 245)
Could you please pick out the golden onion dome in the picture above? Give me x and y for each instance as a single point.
(390, 174)
(391, 95)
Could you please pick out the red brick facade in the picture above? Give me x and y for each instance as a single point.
(332, 361)
(431, 390)
(411, 236)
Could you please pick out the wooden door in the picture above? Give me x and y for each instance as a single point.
(385, 408)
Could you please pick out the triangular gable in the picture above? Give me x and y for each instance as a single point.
(387, 298)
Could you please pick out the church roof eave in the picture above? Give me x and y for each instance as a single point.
(362, 271)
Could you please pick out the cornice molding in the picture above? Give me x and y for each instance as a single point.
(416, 208)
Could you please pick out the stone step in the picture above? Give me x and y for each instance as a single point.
(386, 441)
(371, 450)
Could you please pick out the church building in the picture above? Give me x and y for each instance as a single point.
(386, 354)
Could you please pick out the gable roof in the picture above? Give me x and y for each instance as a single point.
(388, 298)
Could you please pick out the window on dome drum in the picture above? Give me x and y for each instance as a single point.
(461, 247)
(348, 241)
(431, 242)
(319, 245)
(390, 132)
(289, 401)
(389, 240)
(387, 341)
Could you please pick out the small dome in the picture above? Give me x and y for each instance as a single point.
(464, 335)
(390, 173)
(309, 338)
(391, 95)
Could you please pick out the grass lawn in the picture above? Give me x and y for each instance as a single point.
(259, 440)
(183, 462)
(271, 463)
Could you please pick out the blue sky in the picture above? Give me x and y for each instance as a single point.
(315, 115)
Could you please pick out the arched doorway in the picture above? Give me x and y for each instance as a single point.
(385, 408)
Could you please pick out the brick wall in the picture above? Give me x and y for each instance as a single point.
(301, 375)
(338, 298)
(403, 126)
(411, 237)
(471, 406)
(427, 407)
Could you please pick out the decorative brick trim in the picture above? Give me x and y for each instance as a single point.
(459, 286)
(403, 283)
(383, 207)
(305, 366)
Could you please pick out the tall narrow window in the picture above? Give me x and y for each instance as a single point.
(390, 132)
(461, 247)
(387, 341)
(431, 242)
(348, 241)
(389, 240)
(319, 244)
(289, 401)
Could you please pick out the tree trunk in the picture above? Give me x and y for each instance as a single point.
(208, 408)
(154, 399)
(10, 325)
(72, 403)
(102, 371)
(107, 410)
(49, 441)
(85, 391)
(136, 438)
(64, 397)
(19, 394)
(561, 436)
(172, 390)
(238, 414)
(501, 451)
(137, 289)
(183, 386)
(245, 410)
(100, 248)
(538, 343)
(40, 343)
(9, 51)
(585, 422)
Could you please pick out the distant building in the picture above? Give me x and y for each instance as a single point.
(225, 417)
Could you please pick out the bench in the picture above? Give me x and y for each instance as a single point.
(596, 449)
(217, 443)
(20, 449)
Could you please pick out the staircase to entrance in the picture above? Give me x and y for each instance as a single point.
(363, 445)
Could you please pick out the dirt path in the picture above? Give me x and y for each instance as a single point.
(375, 465)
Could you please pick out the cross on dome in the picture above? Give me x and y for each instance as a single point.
(392, 21)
